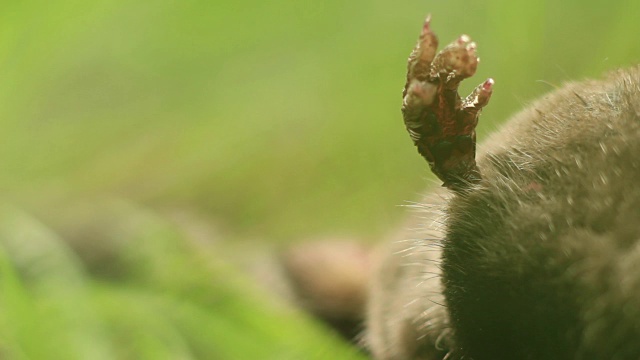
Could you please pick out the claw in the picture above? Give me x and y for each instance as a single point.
(457, 61)
(442, 125)
(422, 55)
(428, 42)
(426, 28)
(487, 85)
(480, 95)
(485, 93)
(472, 105)
(463, 39)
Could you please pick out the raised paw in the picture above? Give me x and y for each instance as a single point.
(440, 123)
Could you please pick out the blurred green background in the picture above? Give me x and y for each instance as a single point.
(164, 142)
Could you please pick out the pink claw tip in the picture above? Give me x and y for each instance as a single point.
(488, 84)
(427, 25)
(463, 39)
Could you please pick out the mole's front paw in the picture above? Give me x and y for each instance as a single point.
(440, 123)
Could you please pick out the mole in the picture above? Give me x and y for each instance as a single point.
(531, 249)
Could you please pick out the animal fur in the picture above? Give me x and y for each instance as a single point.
(541, 259)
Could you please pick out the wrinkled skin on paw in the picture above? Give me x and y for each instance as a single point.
(441, 123)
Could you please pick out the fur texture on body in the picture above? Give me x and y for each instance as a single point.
(541, 258)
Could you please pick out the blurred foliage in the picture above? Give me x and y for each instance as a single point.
(176, 302)
(270, 121)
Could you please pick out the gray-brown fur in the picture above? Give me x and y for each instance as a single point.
(541, 259)
(406, 315)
